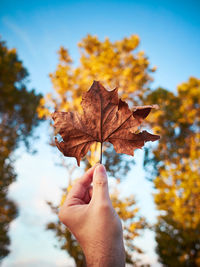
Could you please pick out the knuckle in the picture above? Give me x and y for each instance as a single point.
(105, 207)
(63, 216)
(60, 215)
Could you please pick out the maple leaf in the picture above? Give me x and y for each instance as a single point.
(105, 118)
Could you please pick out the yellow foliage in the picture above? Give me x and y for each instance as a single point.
(179, 188)
(113, 63)
(94, 155)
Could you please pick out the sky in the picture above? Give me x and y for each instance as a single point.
(170, 36)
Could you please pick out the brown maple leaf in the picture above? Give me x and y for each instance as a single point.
(105, 118)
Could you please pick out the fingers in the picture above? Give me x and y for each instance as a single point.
(87, 196)
(100, 184)
(86, 180)
(79, 190)
(82, 192)
(90, 191)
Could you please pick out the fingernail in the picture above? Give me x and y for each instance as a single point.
(100, 169)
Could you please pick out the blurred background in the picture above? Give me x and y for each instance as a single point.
(50, 53)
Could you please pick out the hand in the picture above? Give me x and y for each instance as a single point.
(89, 215)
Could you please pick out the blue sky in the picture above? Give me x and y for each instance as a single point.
(169, 32)
(170, 36)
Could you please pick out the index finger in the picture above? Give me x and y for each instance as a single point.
(87, 178)
(79, 189)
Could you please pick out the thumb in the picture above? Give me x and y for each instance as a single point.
(100, 183)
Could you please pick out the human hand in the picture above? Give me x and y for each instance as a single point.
(89, 215)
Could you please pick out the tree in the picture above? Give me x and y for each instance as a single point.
(177, 160)
(18, 117)
(114, 64)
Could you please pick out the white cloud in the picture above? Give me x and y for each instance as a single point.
(39, 263)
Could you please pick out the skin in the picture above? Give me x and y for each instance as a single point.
(89, 215)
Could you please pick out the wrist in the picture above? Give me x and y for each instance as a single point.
(104, 254)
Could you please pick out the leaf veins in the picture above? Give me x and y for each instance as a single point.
(105, 118)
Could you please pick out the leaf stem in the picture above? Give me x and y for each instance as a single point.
(101, 155)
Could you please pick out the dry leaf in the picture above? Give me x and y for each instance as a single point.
(105, 118)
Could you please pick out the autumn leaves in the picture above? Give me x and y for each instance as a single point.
(105, 118)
